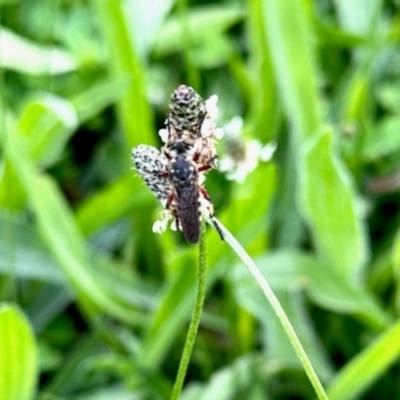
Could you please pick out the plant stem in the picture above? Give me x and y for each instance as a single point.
(279, 311)
(196, 316)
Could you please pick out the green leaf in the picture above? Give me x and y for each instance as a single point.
(330, 34)
(111, 203)
(47, 122)
(58, 228)
(240, 379)
(214, 51)
(265, 105)
(201, 22)
(357, 16)
(174, 308)
(288, 34)
(289, 270)
(133, 109)
(144, 22)
(367, 366)
(383, 140)
(388, 95)
(329, 290)
(283, 271)
(31, 258)
(16, 50)
(18, 363)
(328, 202)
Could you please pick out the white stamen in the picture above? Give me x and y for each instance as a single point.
(211, 107)
(163, 134)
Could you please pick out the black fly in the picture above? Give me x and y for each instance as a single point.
(183, 176)
(184, 200)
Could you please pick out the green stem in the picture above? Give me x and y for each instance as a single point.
(196, 316)
(279, 311)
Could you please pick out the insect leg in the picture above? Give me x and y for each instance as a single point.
(205, 194)
(207, 166)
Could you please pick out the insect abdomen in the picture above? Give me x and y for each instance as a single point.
(188, 212)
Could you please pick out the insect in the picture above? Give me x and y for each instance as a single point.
(186, 191)
(184, 201)
(176, 174)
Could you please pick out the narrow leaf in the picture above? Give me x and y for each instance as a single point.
(16, 50)
(367, 366)
(289, 37)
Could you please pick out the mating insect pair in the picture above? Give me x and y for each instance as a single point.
(175, 175)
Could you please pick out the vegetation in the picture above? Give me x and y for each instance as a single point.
(94, 304)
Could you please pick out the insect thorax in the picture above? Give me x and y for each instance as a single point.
(183, 172)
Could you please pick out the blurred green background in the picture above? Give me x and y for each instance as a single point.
(94, 305)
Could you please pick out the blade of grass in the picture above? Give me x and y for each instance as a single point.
(264, 97)
(133, 109)
(279, 311)
(366, 366)
(57, 226)
(287, 27)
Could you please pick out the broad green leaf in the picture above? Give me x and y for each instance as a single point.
(328, 201)
(330, 290)
(383, 140)
(201, 22)
(366, 367)
(288, 34)
(16, 50)
(18, 355)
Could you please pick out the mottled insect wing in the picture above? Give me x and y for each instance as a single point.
(188, 212)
